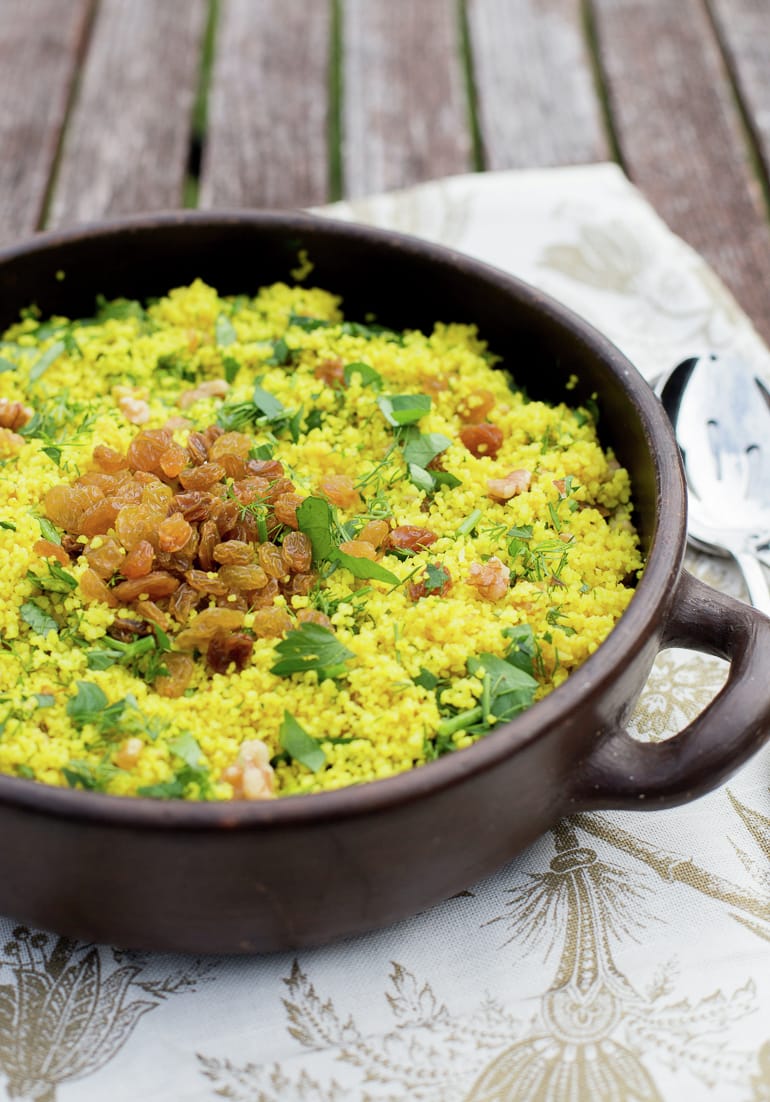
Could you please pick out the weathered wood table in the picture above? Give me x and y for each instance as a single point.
(109, 107)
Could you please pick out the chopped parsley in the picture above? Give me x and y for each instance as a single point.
(7, 525)
(58, 581)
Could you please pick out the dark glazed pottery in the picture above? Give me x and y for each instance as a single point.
(248, 877)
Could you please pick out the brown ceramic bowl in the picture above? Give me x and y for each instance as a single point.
(246, 877)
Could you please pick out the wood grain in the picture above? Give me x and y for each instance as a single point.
(744, 28)
(127, 142)
(39, 45)
(537, 103)
(681, 139)
(406, 115)
(266, 143)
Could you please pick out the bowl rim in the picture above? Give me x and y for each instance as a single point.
(630, 634)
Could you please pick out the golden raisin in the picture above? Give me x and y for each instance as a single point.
(473, 409)
(138, 563)
(98, 518)
(375, 532)
(313, 616)
(243, 579)
(271, 560)
(47, 550)
(482, 440)
(409, 537)
(202, 477)
(109, 459)
(106, 559)
(93, 589)
(173, 533)
(229, 647)
(146, 448)
(206, 582)
(234, 553)
(230, 443)
(268, 623)
(158, 583)
(297, 553)
(173, 460)
(135, 523)
(340, 490)
(358, 549)
(180, 670)
(285, 509)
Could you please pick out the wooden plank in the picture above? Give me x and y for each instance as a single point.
(266, 142)
(126, 147)
(406, 115)
(537, 102)
(39, 45)
(681, 139)
(744, 28)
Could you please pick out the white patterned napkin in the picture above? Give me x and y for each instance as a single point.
(634, 967)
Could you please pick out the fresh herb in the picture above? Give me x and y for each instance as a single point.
(422, 448)
(25, 771)
(404, 409)
(191, 773)
(507, 689)
(281, 355)
(58, 580)
(426, 680)
(231, 368)
(92, 778)
(224, 332)
(268, 405)
(48, 531)
(369, 332)
(37, 618)
(314, 420)
(368, 376)
(470, 522)
(554, 616)
(91, 705)
(299, 745)
(41, 365)
(263, 409)
(44, 700)
(120, 309)
(6, 365)
(177, 365)
(316, 519)
(311, 647)
(7, 525)
(145, 655)
(262, 452)
(302, 321)
(436, 577)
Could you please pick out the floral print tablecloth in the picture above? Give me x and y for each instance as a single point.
(623, 957)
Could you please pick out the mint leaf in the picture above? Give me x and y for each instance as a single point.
(6, 524)
(422, 448)
(44, 700)
(231, 368)
(421, 478)
(186, 747)
(311, 647)
(369, 377)
(87, 705)
(281, 355)
(299, 745)
(267, 404)
(224, 332)
(315, 519)
(404, 409)
(365, 568)
(39, 620)
(6, 365)
(58, 580)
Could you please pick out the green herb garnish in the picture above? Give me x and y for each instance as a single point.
(299, 745)
(369, 377)
(311, 647)
(315, 518)
(58, 580)
(224, 332)
(7, 525)
(37, 618)
(404, 409)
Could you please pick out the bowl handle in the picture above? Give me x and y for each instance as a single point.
(624, 773)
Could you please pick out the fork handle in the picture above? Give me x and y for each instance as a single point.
(756, 583)
(620, 772)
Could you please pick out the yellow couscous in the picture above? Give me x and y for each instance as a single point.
(250, 549)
